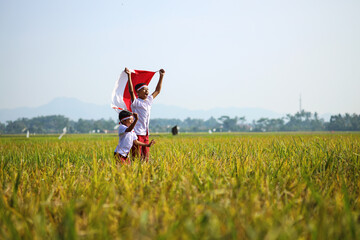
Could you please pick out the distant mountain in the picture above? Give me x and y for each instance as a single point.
(75, 109)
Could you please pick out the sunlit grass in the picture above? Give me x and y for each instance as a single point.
(232, 186)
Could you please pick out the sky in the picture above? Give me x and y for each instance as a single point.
(261, 54)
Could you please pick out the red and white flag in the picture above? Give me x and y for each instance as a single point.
(121, 99)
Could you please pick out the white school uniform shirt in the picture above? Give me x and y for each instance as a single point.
(142, 108)
(126, 140)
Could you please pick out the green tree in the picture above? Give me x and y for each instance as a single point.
(229, 124)
(17, 126)
(2, 128)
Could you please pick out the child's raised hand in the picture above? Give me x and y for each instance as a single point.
(162, 72)
(127, 71)
(135, 115)
(152, 142)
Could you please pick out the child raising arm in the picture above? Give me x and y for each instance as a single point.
(142, 106)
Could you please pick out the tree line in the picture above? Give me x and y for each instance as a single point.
(300, 121)
(55, 124)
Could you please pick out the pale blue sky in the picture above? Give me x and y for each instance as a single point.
(215, 53)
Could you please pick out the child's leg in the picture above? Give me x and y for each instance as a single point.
(145, 150)
(135, 151)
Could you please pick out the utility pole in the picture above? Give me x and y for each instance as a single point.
(300, 104)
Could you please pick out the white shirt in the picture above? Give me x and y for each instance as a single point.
(126, 140)
(142, 108)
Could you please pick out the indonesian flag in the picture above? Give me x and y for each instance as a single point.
(121, 99)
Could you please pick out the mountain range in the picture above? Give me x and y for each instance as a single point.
(75, 109)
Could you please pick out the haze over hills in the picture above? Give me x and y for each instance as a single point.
(75, 109)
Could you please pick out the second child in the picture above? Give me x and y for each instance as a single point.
(127, 136)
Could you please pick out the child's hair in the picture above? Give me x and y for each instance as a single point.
(137, 86)
(124, 114)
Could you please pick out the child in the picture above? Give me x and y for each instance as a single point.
(142, 106)
(127, 136)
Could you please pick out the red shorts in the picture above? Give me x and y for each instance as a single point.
(141, 150)
(121, 159)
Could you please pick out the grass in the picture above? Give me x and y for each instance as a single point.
(196, 186)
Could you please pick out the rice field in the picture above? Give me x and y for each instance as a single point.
(195, 186)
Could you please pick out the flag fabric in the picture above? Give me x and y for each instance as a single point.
(121, 99)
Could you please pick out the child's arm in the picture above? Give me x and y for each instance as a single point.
(131, 87)
(131, 127)
(158, 86)
(137, 142)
